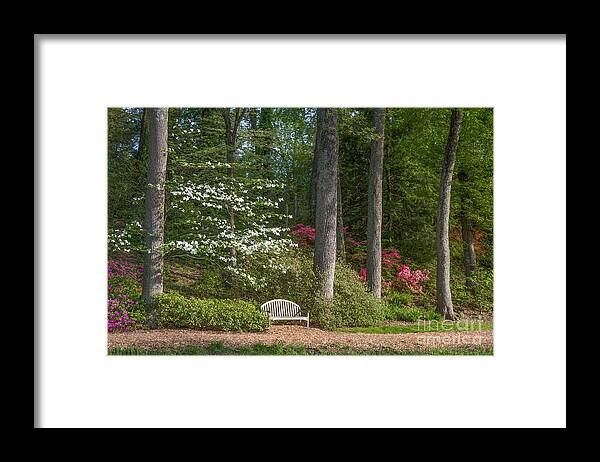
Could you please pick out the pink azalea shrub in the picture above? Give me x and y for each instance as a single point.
(411, 278)
(124, 295)
(363, 274)
(395, 274)
(354, 243)
(303, 235)
(118, 316)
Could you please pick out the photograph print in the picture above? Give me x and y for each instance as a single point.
(300, 231)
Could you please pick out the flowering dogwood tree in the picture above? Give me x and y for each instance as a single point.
(199, 227)
(126, 240)
(201, 211)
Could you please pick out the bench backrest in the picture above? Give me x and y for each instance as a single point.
(281, 308)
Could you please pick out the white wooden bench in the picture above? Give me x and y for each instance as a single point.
(284, 310)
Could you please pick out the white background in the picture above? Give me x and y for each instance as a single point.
(523, 384)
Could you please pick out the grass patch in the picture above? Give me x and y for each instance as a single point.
(433, 326)
(215, 348)
(279, 349)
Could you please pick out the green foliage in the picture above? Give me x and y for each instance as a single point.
(400, 313)
(431, 315)
(278, 144)
(275, 349)
(399, 307)
(410, 314)
(483, 282)
(432, 326)
(399, 298)
(352, 305)
(478, 296)
(296, 282)
(126, 310)
(139, 315)
(127, 169)
(189, 280)
(218, 348)
(176, 310)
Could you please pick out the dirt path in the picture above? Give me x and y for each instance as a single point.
(298, 335)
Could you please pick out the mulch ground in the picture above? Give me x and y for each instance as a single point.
(299, 335)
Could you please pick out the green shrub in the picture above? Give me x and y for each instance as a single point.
(483, 279)
(410, 314)
(480, 296)
(399, 298)
(189, 280)
(139, 315)
(352, 304)
(176, 310)
(399, 307)
(395, 312)
(431, 315)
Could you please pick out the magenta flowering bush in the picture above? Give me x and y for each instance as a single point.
(395, 274)
(412, 279)
(363, 274)
(118, 316)
(398, 275)
(303, 235)
(125, 309)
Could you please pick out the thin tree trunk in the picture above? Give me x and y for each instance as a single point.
(466, 224)
(444, 296)
(295, 206)
(315, 171)
(230, 146)
(386, 172)
(341, 245)
(142, 127)
(230, 134)
(231, 128)
(470, 259)
(287, 214)
(326, 202)
(143, 171)
(154, 219)
(375, 206)
(253, 127)
(265, 153)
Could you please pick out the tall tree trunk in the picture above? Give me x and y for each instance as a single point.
(444, 297)
(154, 218)
(341, 245)
(142, 130)
(231, 128)
(295, 205)
(386, 173)
(142, 171)
(287, 214)
(466, 224)
(375, 207)
(230, 146)
(470, 259)
(265, 153)
(254, 126)
(315, 171)
(326, 202)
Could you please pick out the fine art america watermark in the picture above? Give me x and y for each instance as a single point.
(466, 332)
